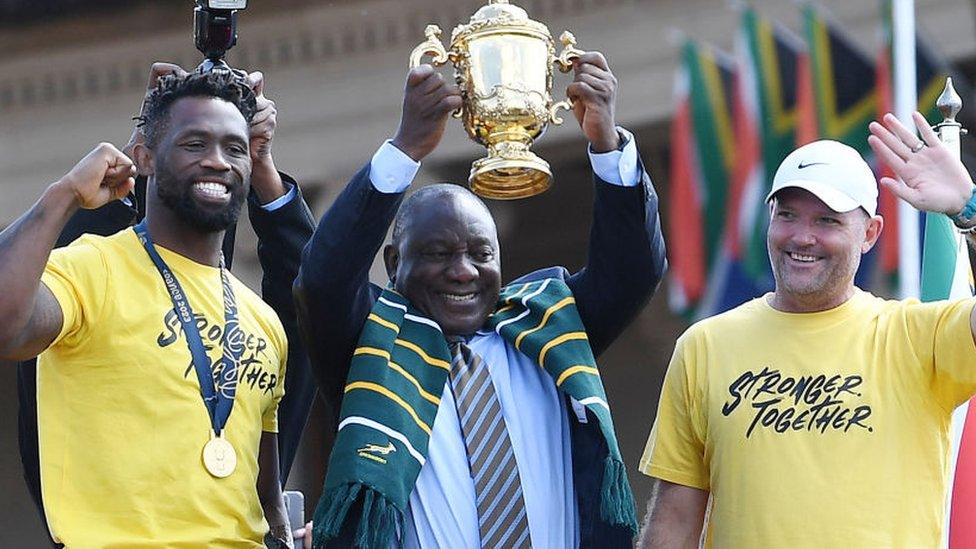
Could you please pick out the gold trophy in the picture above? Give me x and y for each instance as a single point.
(503, 65)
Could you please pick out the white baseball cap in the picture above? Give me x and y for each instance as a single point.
(833, 172)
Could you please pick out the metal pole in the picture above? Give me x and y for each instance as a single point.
(950, 131)
(906, 101)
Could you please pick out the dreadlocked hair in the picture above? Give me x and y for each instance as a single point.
(171, 88)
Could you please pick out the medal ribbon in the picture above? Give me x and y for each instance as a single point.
(217, 388)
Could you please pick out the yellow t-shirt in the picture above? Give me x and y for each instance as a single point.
(121, 422)
(818, 430)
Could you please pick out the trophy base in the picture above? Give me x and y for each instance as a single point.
(510, 179)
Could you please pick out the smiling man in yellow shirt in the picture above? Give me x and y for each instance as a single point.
(159, 373)
(818, 416)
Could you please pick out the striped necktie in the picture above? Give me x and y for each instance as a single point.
(497, 487)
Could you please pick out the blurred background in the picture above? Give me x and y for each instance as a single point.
(73, 73)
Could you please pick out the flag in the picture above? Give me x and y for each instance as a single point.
(837, 84)
(702, 157)
(837, 97)
(887, 201)
(807, 125)
(764, 117)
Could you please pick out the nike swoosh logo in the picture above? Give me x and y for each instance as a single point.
(803, 166)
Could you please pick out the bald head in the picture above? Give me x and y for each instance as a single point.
(427, 197)
(444, 257)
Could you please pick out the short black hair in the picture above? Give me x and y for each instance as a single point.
(422, 195)
(171, 88)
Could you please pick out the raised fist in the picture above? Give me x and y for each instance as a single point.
(264, 122)
(104, 175)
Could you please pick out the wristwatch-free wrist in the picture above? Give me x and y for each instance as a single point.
(966, 219)
(279, 537)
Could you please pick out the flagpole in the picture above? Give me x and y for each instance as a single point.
(959, 531)
(906, 101)
(950, 131)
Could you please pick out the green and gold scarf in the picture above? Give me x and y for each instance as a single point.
(398, 372)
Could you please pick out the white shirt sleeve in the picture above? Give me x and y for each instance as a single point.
(281, 200)
(391, 170)
(618, 167)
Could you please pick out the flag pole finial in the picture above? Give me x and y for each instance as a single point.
(949, 103)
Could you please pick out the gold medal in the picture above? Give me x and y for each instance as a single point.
(219, 457)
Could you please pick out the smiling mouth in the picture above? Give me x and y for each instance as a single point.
(212, 189)
(459, 298)
(802, 258)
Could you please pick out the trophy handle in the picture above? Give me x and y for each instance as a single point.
(432, 46)
(554, 109)
(438, 55)
(565, 64)
(570, 52)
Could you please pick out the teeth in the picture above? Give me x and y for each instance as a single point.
(210, 188)
(459, 297)
(802, 257)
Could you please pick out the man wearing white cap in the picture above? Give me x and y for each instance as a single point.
(818, 415)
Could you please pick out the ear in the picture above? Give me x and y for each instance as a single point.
(391, 258)
(871, 233)
(145, 159)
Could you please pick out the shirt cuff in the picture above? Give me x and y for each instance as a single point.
(391, 170)
(281, 200)
(618, 167)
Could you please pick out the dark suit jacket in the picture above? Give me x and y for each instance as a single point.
(625, 264)
(281, 234)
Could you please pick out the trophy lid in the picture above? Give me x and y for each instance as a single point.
(497, 14)
(500, 9)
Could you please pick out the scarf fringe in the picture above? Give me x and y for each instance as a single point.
(616, 498)
(379, 520)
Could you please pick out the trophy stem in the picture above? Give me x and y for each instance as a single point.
(510, 171)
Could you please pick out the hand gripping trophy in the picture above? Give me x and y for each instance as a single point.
(503, 65)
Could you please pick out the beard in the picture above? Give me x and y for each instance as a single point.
(831, 280)
(177, 196)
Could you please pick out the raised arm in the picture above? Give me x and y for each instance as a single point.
(32, 316)
(283, 224)
(333, 294)
(266, 182)
(626, 257)
(930, 178)
(332, 291)
(282, 235)
(279, 215)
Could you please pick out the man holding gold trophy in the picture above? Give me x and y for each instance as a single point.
(473, 415)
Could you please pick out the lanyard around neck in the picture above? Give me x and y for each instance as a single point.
(218, 391)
